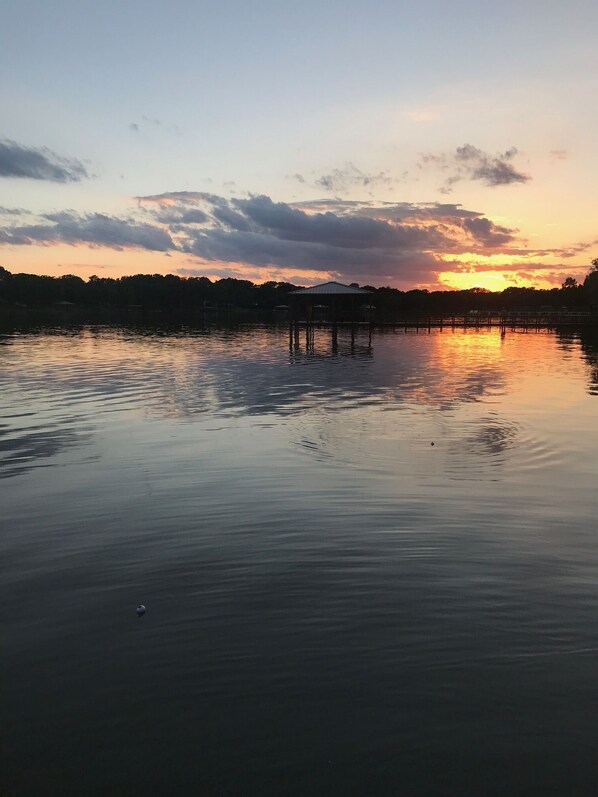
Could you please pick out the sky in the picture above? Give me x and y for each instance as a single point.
(427, 145)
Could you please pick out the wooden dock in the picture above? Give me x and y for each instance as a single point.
(514, 320)
(521, 321)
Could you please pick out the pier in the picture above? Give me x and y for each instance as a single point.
(515, 320)
(333, 306)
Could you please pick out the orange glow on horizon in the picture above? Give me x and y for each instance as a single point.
(84, 261)
(499, 280)
(455, 272)
(491, 280)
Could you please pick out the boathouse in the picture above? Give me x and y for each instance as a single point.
(330, 301)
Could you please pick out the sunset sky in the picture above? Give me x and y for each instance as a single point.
(425, 144)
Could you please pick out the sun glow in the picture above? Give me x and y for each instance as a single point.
(491, 280)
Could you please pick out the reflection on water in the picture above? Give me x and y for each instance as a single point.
(588, 339)
(335, 605)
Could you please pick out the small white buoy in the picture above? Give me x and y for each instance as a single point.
(140, 610)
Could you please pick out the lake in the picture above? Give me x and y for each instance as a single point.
(369, 571)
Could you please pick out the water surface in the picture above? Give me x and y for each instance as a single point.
(369, 571)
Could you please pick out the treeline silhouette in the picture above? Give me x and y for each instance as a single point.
(172, 293)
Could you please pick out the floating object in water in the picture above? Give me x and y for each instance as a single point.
(431, 444)
(140, 610)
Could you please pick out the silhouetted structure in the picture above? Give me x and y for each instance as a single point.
(340, 299)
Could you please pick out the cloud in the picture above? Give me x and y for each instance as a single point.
(386, 242)
(38, 164)
(177, 215)
(171, 197)
(471, 163)
(94, 229)
(12, 211)
(576, 249)
(487, 232)
(175, 208)
(151, 123)
(524, 271)
(393, 241)
(338, 181)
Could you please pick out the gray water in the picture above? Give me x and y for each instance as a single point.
(335, 606)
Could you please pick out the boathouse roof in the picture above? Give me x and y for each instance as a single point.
(330, 289)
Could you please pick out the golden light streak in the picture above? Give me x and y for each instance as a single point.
(491, 280)
(477, 259)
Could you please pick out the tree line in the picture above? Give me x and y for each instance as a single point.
(173, 293)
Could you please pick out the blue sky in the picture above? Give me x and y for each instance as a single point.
(489, 108)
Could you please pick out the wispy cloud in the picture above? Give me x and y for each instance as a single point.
(578, 248)
(339, 180)
(471, 163)
(146, 124)
(342, 179)
(94, 229)
(12, 211)
(17, 161)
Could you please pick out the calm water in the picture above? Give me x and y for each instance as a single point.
(334, 605)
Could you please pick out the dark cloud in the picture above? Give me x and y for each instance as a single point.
(471, 163)
(415, 212)
(178, 215)
(231, 219)
(400, 241)
(261, 249)
(178, 207)
(487, 233)
(491, 170)
(388, 242)
(95, 229)
(284, 222)
(38, 164)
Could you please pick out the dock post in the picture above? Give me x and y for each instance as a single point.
(334, 327)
